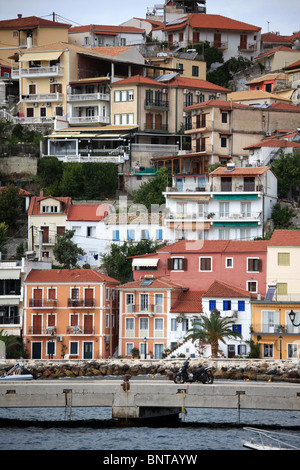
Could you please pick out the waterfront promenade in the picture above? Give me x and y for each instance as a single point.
(139, 398)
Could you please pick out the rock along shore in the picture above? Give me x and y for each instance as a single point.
(232, 369)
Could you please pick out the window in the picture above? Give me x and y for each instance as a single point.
(144, 322)
(129, 348)
(145, 234)
(212, 305)
(241, 305)
(223, 142)
(205, 264)
(226, 304)
(116, 235)
(130, 235)
(144, 298)
(130, 95)
(90, 231)
(282, 288)
(73, 348)
(158, 325)
(159, 234)
(268, 350)
(251, 286)
(283, 259)
(173, 324)
(195, 71)
(254, 265)
(229, 263)
(177, 264)
(292, 351)
(224, 209)
(158, 306)
(237, 328)
(246, 209)
(224, 118)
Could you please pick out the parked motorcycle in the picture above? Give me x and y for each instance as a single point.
(202, 374)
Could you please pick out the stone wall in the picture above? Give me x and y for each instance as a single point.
(240, 369)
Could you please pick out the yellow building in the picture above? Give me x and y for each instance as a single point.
(22, 33)
(188, 65)
(273, 329)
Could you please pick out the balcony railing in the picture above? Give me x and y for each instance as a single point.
(156, 127)
(7, 320)
(37, 303)
(75, 330)
(54, 71)
(41, 330)
(81, 302)
(215, 215)
(89, 119)
(88, 97)
(275, 329)
(144, 309)
(34, 98)
(156, 104)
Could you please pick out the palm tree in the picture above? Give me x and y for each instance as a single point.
(212, 329)
(10, 341)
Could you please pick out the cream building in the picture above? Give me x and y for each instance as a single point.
(283, 261)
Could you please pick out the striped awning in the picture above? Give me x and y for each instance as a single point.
(10, 273)
(145, 262)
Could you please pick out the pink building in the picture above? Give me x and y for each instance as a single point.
(197, 264)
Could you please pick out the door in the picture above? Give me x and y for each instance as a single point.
(45, 234)
(88, 324)
(231, 350)
(36, 350)
(88, 350)
(149, 121)
(37, 297)
(89, 297)
(158, 350)
(217, 39)
(243, 41)
(158, 122)
(37, 324)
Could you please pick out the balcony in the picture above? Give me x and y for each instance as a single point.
(162, 105)
(223, 45)
(83, 97)
(275, 329)
(42, 303)
(150, 127)
(10, 320)
(41, 98)
(75, 330)
(249, 47)
(31, 72)
(89, 120)
(83, 303)
(41, 330)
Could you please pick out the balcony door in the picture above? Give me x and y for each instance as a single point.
(37, 324)
(88, 297)
(37, 297)
(88, 324)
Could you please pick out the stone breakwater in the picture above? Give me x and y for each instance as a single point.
(232, 369)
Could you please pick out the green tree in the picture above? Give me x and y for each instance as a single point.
(287, 170)
(10, 205)
(223, 74)
(67, 252)
(3, 234)
(212, 329)
(151, 192)
(12, 344)
(116, 262)
(281, 216)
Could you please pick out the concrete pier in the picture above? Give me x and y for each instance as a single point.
(135, 399)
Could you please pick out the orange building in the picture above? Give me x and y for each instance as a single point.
(70, 313)
(146, 320)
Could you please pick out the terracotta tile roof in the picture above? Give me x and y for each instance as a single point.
(200, 21)
(112, 51)
(89, 212)
(157, 283)
(196, 83)
(30, 21)
(275, 38)
(34, 206)
(188, 302)
(97, 28)
(73, 276)
(276, 49)
(138, 79)
(274, 143)
(254, 95)
(285, 238)
(284, 107)
(218, 104)
(220, 289)
(22, 192)
(269, 76)
(240, 171)
(294, 65)
(215, 246)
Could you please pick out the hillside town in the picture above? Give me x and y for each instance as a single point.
(149, 179)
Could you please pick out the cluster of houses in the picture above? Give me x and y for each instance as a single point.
(84, 314)
(136, 95)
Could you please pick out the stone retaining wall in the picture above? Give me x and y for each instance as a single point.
(240, 369)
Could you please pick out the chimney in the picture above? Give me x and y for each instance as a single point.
(41, 193)
(19, 15)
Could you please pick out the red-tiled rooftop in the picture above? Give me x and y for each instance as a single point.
(215, 246)
(207, 21)
(240, 171)
(188, 302)
(274, 143)
(30, 22)
(220, 289)
(285, 238)
(34, 207)
(89, 212)
(138, 79)
(97, 28)
(157, 283)
(67, 276)
(196, 83)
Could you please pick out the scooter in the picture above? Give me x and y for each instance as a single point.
(202, 374)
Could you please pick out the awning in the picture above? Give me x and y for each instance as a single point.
(10, 273)
(40, 56)
(266, 341)
(145, 262)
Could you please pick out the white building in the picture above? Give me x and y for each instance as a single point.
(106, 35)
(231, 203)
(235, 304)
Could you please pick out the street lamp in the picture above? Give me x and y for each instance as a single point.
(51, 345)
(292, 316)
(280, 340)
(145, 346)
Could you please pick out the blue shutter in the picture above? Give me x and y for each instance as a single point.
(212, 305)
(159, 234)
(241, 305)
(237, 328)
(130, 235)
(226, 305)
(116, 235)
